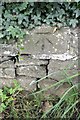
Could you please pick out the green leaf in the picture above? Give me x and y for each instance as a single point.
(73, 22)
(21, 59)
(77, 12)
(21, 48)
(19, 22)
(9, 100)
(20, 89)
(4, 97)
(2, 107)
(11, 91)
(8, 37)
(59, 25)
(15, 83)
(1, 35)
(18, 44)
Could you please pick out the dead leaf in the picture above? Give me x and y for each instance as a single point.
(55, 29)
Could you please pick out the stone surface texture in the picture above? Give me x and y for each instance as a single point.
(45, 52)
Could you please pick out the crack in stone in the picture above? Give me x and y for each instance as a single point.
(47, 67)
(49, 41)
(16, 72)
(14, 58)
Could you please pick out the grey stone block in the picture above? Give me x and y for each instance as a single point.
(44, 29)
(6, 82)
(8, 50)
(62, 72)
(4, 58)
(25, 82)
(61, 65)
(32, 71)
(7, 64)
(56, 90)
(44, 44)
(7, 73)
(25, 60)
(43, 41)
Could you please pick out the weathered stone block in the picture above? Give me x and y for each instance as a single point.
(25, 82)
(25, 60)
(56, 75)
(71, 73)
(8, 50)
(44, 44)
(7, 73)
(4, 58)
(61, 65)
(32, 71)
(62, 70)
(44, 29)
(56, 90)
(6, 82)
(7, 64)
(44, 41)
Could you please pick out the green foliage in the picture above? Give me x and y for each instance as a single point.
(14, 33)
(7, 95)
(29, 15)
(23, 107)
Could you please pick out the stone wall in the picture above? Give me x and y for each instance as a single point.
(45, 52)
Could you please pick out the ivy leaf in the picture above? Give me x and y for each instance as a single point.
(62, 12)
(4, 97)
(60, 25)
(21, 48)
(77, 12)
(11, 91)
(73, 22)
(23, 6)
(2, 107)
(15, 83)
(20, 89)
(9, 100)
(1, 35)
